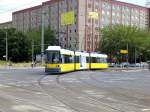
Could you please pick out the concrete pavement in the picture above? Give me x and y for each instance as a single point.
(31, 90)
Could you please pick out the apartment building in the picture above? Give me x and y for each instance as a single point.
(88, 16)
(6, 25)
(27, 19)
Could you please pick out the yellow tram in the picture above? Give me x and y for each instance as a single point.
(62, 60)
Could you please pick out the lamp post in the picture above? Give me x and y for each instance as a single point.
(135, 56)
(6, 45)
(127, 53)
(42, 37)
(32, 52)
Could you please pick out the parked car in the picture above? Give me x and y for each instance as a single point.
(132, 65)
(112, 65)
(124, 64)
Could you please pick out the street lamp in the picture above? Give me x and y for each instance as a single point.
(42, 36)
(6, 45)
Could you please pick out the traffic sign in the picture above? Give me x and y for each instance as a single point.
(123, 51)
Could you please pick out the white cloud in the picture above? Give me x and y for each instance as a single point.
(5, 17)
(9, 6)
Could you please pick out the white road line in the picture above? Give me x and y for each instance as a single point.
(146, 110)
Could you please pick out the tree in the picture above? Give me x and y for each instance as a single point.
(2, 43)
(18, 46)
(119, 36)
(35, 35)
(50, 38)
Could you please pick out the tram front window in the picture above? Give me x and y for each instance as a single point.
(53, 57)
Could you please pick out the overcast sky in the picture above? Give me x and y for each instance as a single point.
(9, 6)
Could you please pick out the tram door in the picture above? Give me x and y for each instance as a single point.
(82, 62)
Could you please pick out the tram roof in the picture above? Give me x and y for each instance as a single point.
(98, 55)
(65, 51)
(78, 53)
(53, 48)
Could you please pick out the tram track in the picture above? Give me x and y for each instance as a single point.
(108, 88)
(130, 104)
(42, 89)
(100, 82)
(91, 98)
(74, 92)
(25, 100)
(60, 85)
(41, 86)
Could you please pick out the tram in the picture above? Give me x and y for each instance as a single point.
(62, 60)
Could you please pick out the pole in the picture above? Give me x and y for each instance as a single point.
(32, 51)
(6, 47)
(42, 39)
(135, 57)
(127, 53)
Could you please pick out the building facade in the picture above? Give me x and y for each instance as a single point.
(6, 25)
(27, 19)
(82, 33)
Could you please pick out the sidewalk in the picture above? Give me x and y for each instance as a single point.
(13, 68)
(128, 68)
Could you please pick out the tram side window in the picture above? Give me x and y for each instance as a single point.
(94, 60)
(68, 59)
(88, 59)
(102, 60)
(98, 60)
(77, 59)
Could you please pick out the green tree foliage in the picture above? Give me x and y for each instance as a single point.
(119, 36)
(50, 38)
(34, 35)
(18, 46)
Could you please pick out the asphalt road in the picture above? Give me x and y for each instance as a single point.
(31, 90)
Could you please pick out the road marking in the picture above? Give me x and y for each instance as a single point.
(26, 108)
(146, 110)
(95, 94)
(60, 109)
(3, 86)
(70, 80)
(111, 99)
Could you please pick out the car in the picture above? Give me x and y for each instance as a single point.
(112, 65)
(124, 64)
(132, 65)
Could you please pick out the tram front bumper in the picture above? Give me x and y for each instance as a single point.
(52, 70)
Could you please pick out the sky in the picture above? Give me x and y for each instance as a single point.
(9, 6)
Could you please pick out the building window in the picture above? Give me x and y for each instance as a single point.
(89, 5)
(89, 20)
(96, 21)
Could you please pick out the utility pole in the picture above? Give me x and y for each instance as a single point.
(42, 37)
(127, 52)
(32, 51)
(135, 57)
(6, 47)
